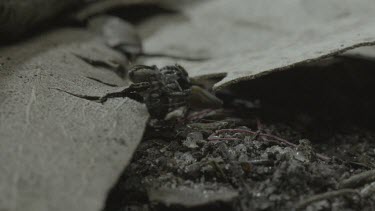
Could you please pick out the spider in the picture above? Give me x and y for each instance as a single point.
(167, 92)
(163, 90)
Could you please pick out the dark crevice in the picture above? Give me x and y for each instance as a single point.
(139, 13)
(132, 55)
(338, 95)
(85, 97)
(126, 92)
(171, 56)
(119, 69)
(102, 82)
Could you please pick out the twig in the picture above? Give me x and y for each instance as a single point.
(219, 169)
(171, 56)
(323, 157)
(222, 139)
(327, 195)
(358, 179)
(199, 115)
(102, 82)
(353, 163)
(117, 68)
(368, 190)
(261, 162)
(86, 97)
(255, 133)
(278, 139)
(259, 125)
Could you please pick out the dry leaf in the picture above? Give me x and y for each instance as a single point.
(248, 38)
(58, 151)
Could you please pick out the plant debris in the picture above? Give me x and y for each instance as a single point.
(303, 141)
(325, 196)
(262, 163)
(357, 180)
(191, 195)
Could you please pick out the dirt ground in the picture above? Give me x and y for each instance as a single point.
(304, 153)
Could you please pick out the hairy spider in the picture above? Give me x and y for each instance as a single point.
(163, 90)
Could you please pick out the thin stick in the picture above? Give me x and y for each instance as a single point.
(358, 179)
(327, 195)
(199, 115)
(222, 139)
(256, 133)
(259, 125)
(280, 140)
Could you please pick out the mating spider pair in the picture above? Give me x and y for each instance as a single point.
(168, 89)
(163, 90)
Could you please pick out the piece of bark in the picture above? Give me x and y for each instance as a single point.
(58, 151)
(250, 38)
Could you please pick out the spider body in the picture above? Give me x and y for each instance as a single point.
(163, 90)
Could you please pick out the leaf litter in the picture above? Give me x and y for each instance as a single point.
(239, 157)
(243, 158)
(270, 149)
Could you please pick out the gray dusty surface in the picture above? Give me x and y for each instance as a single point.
(59, 151)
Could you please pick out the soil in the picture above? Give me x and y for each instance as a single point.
(251, 155)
